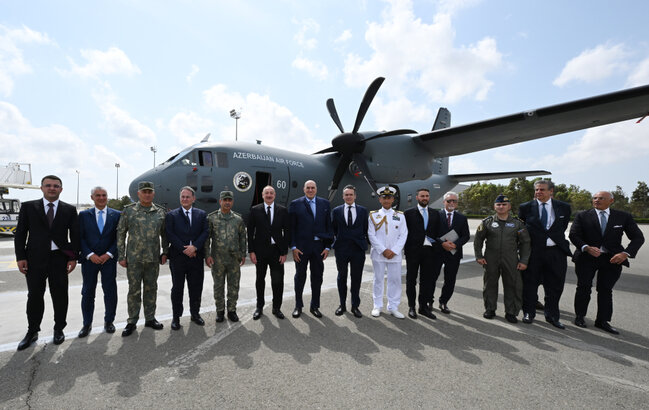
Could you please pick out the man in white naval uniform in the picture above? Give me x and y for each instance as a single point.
(387, 232)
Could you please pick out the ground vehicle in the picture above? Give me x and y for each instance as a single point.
(12, 176)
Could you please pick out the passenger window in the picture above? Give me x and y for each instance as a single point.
(192, 181)
(205, 158)
(222, 159)
(206, 183)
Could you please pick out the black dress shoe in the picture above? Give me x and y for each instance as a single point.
(554, 322)
(278, 313)
(59, 337)
(605, 326)
(297, 312)
(109, 327)
(153, 324)
(580, 322)
(444, 309)
(539, 306)
(511, 318)
(85, 331)
(412, 313)
(527, 318)
(175, 324)
(27, 341)
(357, 313)
(341, 309)
(130, 328)
(257, 314)
(315, 312)
(198, 320)
(220, 316)
(489, 314)
(232, 315)
(425, 311)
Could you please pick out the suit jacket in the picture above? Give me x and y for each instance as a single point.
(180, 233)
(529, 213)
(304, 227)
(461, 227)
(349, 238)
(93, 241)
(34, 236)
(586, 230)
(260, 231)
(416, 232)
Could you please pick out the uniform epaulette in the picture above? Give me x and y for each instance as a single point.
(373, 212)
(488, 218)
(236, 214)
(399, 212)
(213, 212)
(130, 205)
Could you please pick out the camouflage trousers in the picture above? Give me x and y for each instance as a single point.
(137, 274)
(226, 267)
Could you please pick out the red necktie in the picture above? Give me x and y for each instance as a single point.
(448, 219)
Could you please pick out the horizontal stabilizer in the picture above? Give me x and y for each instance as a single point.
(496, 175)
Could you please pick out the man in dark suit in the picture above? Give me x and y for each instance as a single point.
(98, 229)
(268, 239)
(422, 225)
(597, 234)
(186, 229)
(449, 252)
(311, 236)
(349, 222)
(546, 220)
(44, 254)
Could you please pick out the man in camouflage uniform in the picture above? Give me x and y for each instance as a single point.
(507, 253)
(145, 224)
(225, 251)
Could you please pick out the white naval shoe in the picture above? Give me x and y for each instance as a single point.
(376, 312)
(396, 313)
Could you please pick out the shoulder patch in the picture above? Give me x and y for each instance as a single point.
(130, 205)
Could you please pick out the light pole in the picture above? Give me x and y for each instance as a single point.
(77, 171)
(236, 115)
(154, 150)
(117, 182)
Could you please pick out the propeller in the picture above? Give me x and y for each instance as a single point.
(350, 145)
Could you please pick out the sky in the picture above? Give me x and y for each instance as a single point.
(86, 85)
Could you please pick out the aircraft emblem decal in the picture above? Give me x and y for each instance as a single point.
(242, 181)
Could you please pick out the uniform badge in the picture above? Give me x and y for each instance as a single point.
(510, 224)
(396, 218)
(494, 225)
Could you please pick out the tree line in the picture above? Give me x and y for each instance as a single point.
(478, 198)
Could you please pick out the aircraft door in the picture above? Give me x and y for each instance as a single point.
(278, 178)
(397, 197)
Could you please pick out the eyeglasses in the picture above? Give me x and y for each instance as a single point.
(451, 200)
(52, 186)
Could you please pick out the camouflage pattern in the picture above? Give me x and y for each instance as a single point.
(226, 244)
(145, 227)
(508, 243)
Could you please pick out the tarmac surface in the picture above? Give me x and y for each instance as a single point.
(460, 360)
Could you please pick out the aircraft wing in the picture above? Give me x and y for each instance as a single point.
(496, 175)
(543, 122)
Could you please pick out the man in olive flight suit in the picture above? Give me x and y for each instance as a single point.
(144, 222)
(225, 250)
(507, 253)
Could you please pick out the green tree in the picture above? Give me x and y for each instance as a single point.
(621, 201)
(518, 191)
(640, 200)
(119, 204)
(579, 199)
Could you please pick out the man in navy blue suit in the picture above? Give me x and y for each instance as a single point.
(349, 223)
(186, 229)
(311, 236)
(98, 228)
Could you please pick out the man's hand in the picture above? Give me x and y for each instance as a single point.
(22, 266)
(71, 265)
(619, 258)
(253, 258)
(209, 261)
(296, 254)
(388, 254)
(190, 251)
(104, 258)
(521, 266)
(163, 259)
(282, 259)
(324, 254)
(481, 261)
(243, 260)
(123, 263)
(448, 246)
(593, 251)
(95, 259)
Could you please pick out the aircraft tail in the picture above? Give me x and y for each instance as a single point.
(443, 120)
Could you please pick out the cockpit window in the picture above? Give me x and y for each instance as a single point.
(205, 158)
(189, 160)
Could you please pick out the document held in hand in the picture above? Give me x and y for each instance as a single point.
(450, 236)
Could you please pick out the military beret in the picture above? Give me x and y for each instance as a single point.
(226, 195)
(386, 191)
(145, 185)
(501, 198)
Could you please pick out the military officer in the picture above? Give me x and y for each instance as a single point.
(507, 253)
(387, 232)
(144, 222)
(225, 251)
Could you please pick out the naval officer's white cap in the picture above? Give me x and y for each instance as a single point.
(386, 190)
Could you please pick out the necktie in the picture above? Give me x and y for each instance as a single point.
(268, 214)
(602, 221)
(50, 214)
(424, 213)
(349, 216)
(100, 221)
(312, 204)
(448, 218)
(544, 216)
(188, 218)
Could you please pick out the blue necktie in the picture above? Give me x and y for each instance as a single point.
(424, 213)
(602, 221)
(100, 221)
(544, 216)
(312, 204)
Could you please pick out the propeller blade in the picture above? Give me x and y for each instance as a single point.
(390, 133)
(325, 151)
(334, 114)
(361, 163)
(338, 175)
(367, 100)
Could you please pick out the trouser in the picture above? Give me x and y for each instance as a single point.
(139, 274)
(451, 265)
(394, 284)
(547, 266)
(108, 271)
(191, 269)
(270, 260)
(607, 276)
(314, 260)
(54, 272)
(226, 267)
(419, 264)
(512, 286)
(355, 260)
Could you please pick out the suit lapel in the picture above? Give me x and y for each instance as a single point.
(40, 208)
